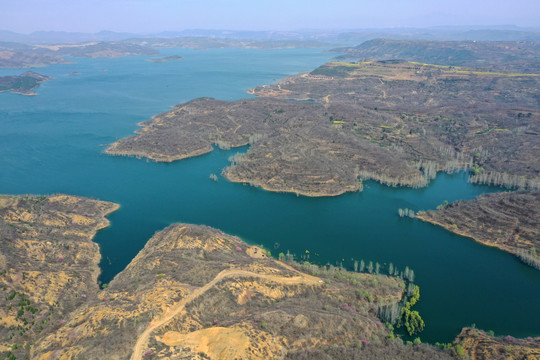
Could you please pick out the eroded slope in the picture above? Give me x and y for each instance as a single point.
(48, 264)
(480, 346)
(194, 290)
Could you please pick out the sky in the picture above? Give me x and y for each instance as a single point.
(143, 16)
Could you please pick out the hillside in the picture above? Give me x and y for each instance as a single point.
(393, 121)
(48, 265)
(192, 292)
(508, 221)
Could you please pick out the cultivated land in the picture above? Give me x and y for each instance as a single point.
(508, 221)
(396, 122)
(22, 84)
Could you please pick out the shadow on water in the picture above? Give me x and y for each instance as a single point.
(53, 143)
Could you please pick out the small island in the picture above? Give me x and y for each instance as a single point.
(165, 59)
(22, 84)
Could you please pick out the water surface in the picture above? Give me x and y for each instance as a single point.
(53, 143)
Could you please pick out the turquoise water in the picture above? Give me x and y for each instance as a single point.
(53, 143)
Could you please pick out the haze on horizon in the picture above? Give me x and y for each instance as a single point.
(145, 16)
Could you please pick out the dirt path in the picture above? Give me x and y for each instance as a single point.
(175, 310)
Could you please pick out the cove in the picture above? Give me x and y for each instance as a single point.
(53, 143)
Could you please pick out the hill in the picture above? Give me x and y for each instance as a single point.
(392, 121)
(508, 56)
(192, 292)
(22, 84)
(14, 55)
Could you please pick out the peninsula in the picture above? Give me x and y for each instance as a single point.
(396, 122)
(508, 221)
(192, 290)
(22, 84)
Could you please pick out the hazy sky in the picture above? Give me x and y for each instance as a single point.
(159, 15)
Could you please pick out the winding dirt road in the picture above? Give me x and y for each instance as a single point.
(175, 310)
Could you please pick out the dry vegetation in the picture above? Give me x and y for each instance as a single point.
(48, 264)
(478, 345)
(193, 292)
(392, 121)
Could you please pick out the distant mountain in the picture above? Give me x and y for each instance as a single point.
(338, 36)
(204, 43)
(62, 37)
(16, 55)
(511, 56)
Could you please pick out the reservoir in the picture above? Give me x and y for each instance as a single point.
(54, 142)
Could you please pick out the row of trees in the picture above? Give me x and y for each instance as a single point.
(401, 313)
(398, 312)
(223, 145)
(411, 318)
(406, 213)
(504, 179)
(361, 266)
(529, 257)
(416, 181)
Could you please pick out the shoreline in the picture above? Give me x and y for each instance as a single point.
(464, 234)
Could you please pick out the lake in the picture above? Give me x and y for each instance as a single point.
(54, 142)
